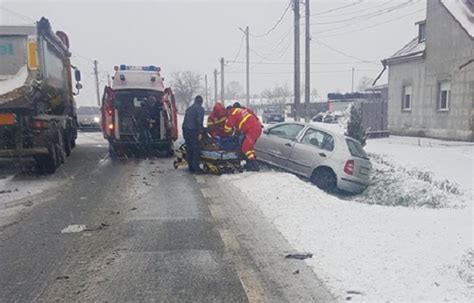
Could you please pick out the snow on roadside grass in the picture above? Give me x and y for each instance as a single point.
(400, 186)
(386, 253)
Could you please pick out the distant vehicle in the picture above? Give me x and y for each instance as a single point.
(273, 114)
(330, 160)
(328, 117)
(88, 118)
(37, 107)
(138, 113)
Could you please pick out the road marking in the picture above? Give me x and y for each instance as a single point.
(217, 211)
(247, 276)
(200, 179)
(209, 194)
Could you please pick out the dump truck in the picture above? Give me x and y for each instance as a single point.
(37, 107)
(139, 114)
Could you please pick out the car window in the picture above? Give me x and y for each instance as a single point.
(318, 139)
(356, 149)
(287, 131)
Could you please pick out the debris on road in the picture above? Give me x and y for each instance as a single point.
(133, 208)
(97, 228)
(299, 256)
(74, 228)
(62, 278)
(296, 272)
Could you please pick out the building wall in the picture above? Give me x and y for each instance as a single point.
(447, 47)
(407, 122)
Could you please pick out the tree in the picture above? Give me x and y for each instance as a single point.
(364, 83)
(186, 85)
(314, 94)
(277, 95)
(355, 128)
(234, 90)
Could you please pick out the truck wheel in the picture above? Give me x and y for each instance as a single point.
(67, 146)
(73, 143)
(47, 164)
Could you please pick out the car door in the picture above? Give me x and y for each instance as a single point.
(275, 144)
(314, 147)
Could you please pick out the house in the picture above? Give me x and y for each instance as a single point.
(431, 79)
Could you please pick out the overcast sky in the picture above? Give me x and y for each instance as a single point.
(193, 34)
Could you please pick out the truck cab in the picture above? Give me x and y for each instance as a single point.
(139, 113)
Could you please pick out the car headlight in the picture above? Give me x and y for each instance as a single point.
(96, 119)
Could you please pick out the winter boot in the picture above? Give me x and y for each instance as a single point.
(252, 165)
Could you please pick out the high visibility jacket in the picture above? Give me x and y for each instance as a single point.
(216, 120)
(242, 120)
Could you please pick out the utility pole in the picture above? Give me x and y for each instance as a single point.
(222, 80)
(352, 85)
(215, 85)
(247, 94)
(296, 9)
(96, 74)
(307, 62)
(205, 87)
(247, 67)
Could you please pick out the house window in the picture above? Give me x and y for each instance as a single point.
(421, 32)
(444, 95)
(406, 97)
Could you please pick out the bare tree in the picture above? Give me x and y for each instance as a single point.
(234, 90)
(185, 85)
(364, 83)
(277, 95)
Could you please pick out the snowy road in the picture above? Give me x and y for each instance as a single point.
(138, 230)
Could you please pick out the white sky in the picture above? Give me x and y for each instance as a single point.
(192, 35)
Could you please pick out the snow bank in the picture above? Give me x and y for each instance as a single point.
(387, 254)
(444, 160)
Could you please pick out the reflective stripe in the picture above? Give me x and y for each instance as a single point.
(214, 122)
(249, 152)
(235, 111)
(246, 117)
(227, 129)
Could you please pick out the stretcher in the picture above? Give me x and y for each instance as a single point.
(218, 156)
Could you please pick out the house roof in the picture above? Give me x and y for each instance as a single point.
(413, 50)
(463, 12)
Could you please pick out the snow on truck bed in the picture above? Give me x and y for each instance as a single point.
(421, 251)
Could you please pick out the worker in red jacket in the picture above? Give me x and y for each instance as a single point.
(243, 121)
(216, 120)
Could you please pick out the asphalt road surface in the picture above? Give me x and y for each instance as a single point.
(152, 234)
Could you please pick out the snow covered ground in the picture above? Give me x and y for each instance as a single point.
(401, 251)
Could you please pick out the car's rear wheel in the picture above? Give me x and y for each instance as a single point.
(324, 178)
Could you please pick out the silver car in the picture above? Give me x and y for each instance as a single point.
(329, 159)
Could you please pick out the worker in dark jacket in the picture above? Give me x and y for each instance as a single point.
(192, 132)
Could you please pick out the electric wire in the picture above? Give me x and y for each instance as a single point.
(276, 24)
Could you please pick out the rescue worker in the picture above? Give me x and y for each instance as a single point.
(192, 132)
(216, 120)
(245, 122)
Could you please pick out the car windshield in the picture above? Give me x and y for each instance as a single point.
(236, 151)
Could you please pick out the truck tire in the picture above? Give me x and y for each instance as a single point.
(47, 164)
(67, 146)
(73, 143)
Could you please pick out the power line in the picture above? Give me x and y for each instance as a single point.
(238, 52)
(360, 10)
(315, 72)
(370, 26)
(313, 63)
(276, 24)
(337, 8)
(371, 14)
(24, 17)
(342, 53)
